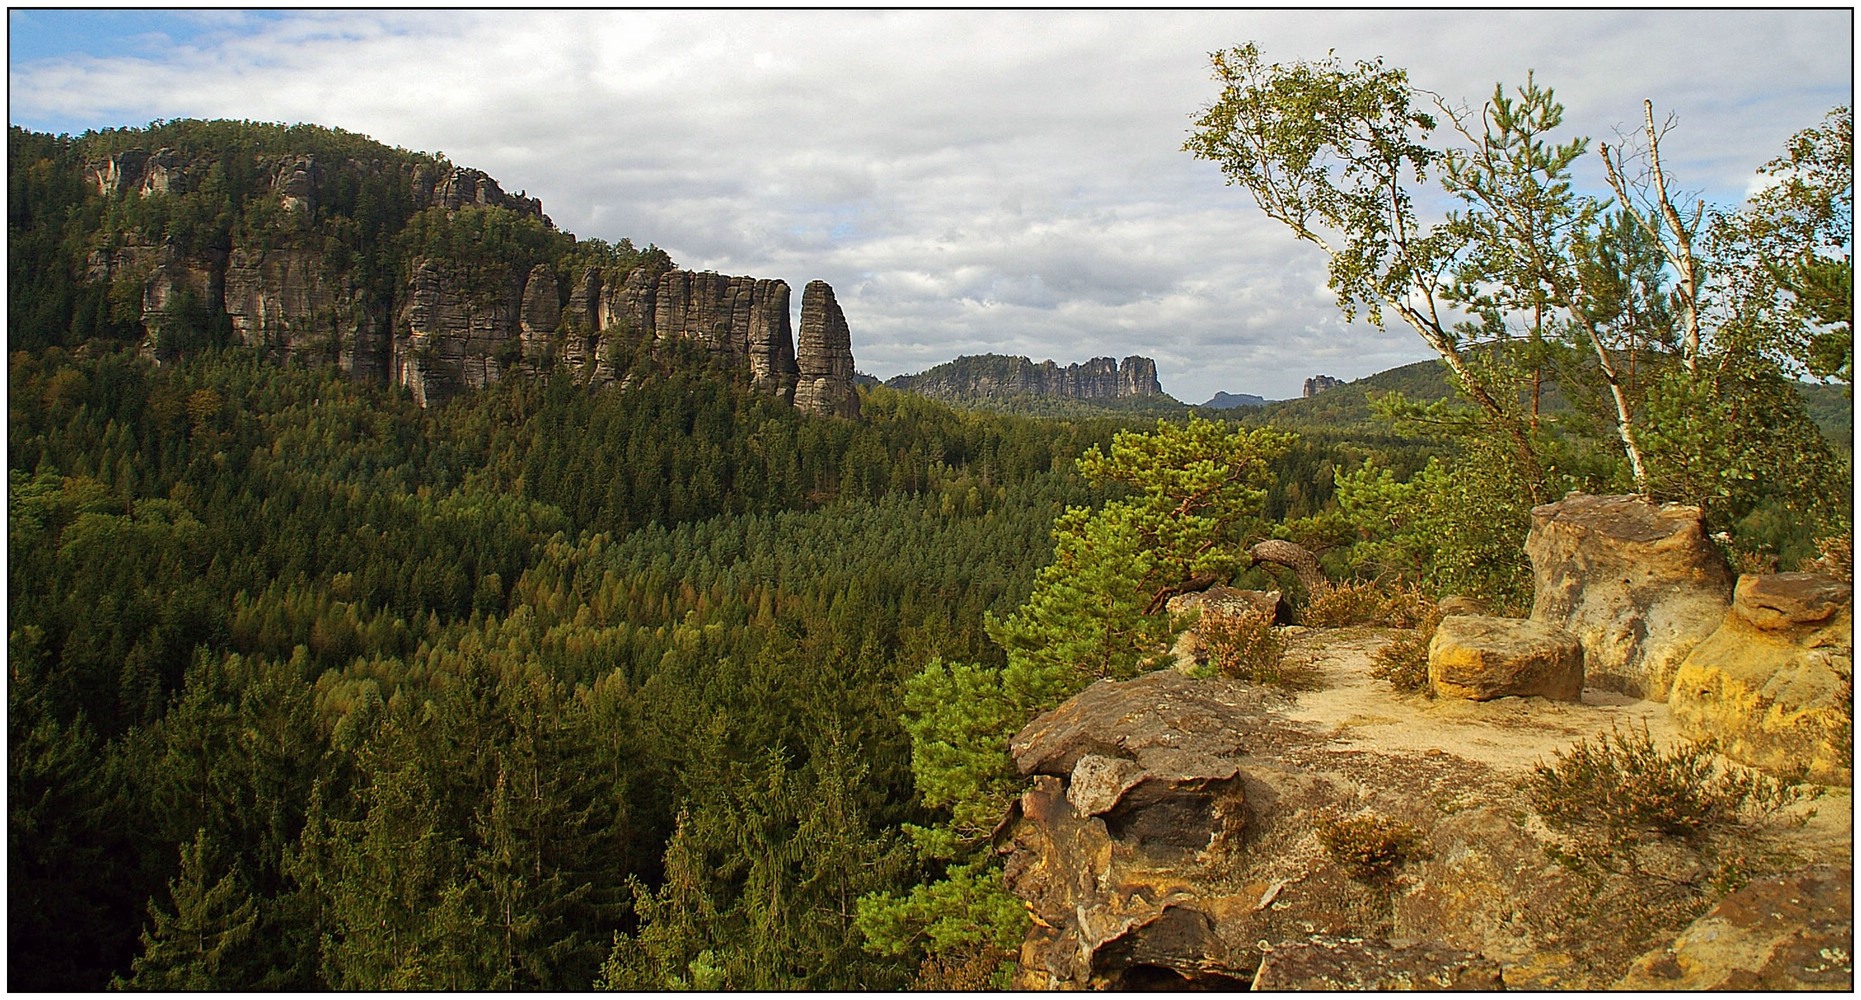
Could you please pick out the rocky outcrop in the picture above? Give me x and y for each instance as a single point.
(1000, 377)
(286, 300)
(1168, 839)
(1639, 584)
(450, 337)
(538, 317)
(1774, 684)
(453, 188)
(446, 331)
(138, 172)
(824, 355)
(1479, 658)
(1789, 932)
(1319, 383)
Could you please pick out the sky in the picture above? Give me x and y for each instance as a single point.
(969, 182)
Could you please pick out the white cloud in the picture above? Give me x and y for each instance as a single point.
(968, 181)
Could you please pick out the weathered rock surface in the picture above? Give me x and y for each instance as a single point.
(1789, 932)
(824, 355)
(1479, 657)
(998, 377)
(1326, 963)
(1167, 835)
(286, 300)
(444, 333)
(1774, 684)
(1170, 837)
(450, 338)
(1639, 584)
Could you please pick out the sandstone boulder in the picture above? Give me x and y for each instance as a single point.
(1774, 685)
(1790, 932)
(1328, 963)
(1460, 604)
(1639, 584)
(1479, 658)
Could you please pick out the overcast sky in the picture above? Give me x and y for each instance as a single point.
(967, 182)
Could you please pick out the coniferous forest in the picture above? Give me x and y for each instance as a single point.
(657, 685)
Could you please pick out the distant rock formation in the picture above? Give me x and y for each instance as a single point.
(998, 377)
(1319, 383)
(1230, 400)
(824, 355)
(453, 325)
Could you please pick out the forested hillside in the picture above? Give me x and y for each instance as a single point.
(633, 658)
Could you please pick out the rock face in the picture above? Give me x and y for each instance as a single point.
(1184, 833)
(1319, 383)
(449, 339)
(1793, 932)
(1326, 963)
(1639, 585)
(1000, 377)
(1479, 658)
(284, 299)
(824, 355)
(449, 329)
(1774, 684)
(1103, 810)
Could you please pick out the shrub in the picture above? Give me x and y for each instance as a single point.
(1354, 602)
(1242, 645)
(1368, 846)
(1403, 661)
(1369, 602)
(1835, 556)
(1616, 794)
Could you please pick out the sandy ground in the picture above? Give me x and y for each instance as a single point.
(1510, 735)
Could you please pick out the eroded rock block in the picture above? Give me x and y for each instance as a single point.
(1774, 684)
(1479, 658)
(1638, 583)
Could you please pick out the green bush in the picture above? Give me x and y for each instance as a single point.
(1242, 645)
(1403, 661)
(1620, 792)
(1369, 846)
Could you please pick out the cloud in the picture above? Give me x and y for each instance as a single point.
(968, 181)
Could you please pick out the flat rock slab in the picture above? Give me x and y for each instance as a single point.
(1479, 658)
(1790, 932)
(1121, 719)
(1325, 963)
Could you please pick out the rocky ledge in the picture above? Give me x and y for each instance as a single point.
(1187, 833)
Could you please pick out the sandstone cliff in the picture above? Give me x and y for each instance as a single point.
(1000, 377)
(461, 309)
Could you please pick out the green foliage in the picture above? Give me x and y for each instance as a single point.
(1671, 352)
(197, 946)
(1614, 795)
(1190, 494)
(1369, 846)
(1244, 646)
(1403, 660)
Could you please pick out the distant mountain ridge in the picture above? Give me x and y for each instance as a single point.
(1230, 400)
(1000, 377)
